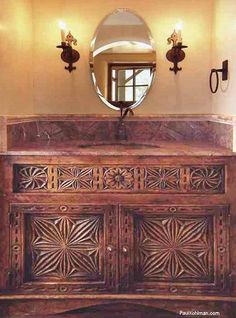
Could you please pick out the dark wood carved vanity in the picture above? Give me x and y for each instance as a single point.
(93, 220)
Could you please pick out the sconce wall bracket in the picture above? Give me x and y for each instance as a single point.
(176, 55)
(69, 56)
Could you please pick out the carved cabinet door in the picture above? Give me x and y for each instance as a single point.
(174, 249)
(63, 249)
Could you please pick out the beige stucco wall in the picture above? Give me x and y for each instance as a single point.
(224, 101)
(16, 82)
(57, 91)
(33, 79)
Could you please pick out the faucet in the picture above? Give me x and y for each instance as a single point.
(121, 128)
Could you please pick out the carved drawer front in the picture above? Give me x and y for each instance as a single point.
(66, 249)
(175, 249)
(163, 179)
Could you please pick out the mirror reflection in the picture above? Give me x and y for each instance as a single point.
(122, 60)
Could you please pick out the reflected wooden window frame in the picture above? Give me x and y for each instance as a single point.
(135, 67)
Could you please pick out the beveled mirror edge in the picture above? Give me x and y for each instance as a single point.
(91, 59)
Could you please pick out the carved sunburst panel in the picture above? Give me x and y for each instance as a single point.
(162, 179)
(174, 248)
(65, 247)
(75, 178)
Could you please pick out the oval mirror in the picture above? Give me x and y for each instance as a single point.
(122, 60)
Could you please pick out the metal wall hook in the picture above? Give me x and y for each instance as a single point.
(224, 70)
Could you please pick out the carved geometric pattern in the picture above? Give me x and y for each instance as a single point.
(126, 258)
(162, 178)
(144, 229)
(75, 178)
(207, 179)
(62, 248)
(174, 247)
(111, 256)
(118, 178)
(65, 247)
(15, 250)
(32, 178)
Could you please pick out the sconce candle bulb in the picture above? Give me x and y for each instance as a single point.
(62, 26)
(179, 28)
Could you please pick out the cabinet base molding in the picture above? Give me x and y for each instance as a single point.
(119, 297)
(119, 306)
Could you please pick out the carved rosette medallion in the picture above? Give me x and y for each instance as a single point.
(118, 178)
(162, 178)
(207, 179)
(174, 248)
(65, 247)
(32, 178)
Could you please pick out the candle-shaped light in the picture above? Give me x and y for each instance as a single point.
(179, 28)
(62, 26)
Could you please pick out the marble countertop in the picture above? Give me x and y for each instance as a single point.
(164, 148)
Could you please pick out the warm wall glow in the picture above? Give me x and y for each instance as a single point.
(16, 57)
(224, 49)
(2, 27)
(57, 92)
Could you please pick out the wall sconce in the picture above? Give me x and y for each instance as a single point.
(68, 55)
(176, 54)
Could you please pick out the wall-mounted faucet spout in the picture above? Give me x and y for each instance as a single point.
(121, 128)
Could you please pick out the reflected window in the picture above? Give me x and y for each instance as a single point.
(128, 82)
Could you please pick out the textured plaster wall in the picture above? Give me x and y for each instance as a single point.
(33, 79)
(224, 101)
(16, 79)
(57, 91)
